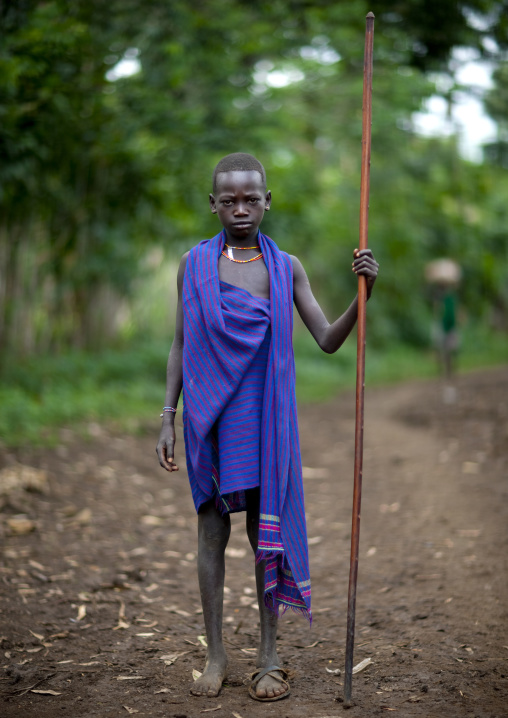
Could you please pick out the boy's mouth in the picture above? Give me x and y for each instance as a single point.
(242, 225)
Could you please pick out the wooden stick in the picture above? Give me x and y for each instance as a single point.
(360, 363)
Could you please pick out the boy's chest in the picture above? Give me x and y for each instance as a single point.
(251, 276)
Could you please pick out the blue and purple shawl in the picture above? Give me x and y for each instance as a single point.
(215, 358)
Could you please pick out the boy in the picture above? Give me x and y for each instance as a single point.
(232, 355)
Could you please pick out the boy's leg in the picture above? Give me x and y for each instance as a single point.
(213, 536)
(267, 687)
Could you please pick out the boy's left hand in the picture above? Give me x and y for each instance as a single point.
(365, 264)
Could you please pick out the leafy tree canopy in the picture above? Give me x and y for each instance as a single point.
(93, 170)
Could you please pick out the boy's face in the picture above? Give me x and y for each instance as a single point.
(240, 201)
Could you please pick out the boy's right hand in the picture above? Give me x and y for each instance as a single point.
(165, 447)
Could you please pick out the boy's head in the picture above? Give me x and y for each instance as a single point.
(238, 162)
(240, 197)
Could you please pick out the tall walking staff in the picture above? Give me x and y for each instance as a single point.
(360, 363)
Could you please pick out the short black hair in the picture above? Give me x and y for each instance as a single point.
(238, 162)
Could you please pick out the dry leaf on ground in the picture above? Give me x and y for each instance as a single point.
(314, 540)
(122, 623)
(130, 678)
(23, 477)
(20, 525)
(83, 517)
(389, 508)
(362, 665)
(470, 467)
(36, 565)
(196, 674)
(130, 710)
(178, 611)
(469, 533)
(247, 600)
(151, 520)
(171, 658)
(310, 473)
(47, 692)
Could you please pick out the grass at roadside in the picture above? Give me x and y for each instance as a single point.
(40, 397)
(125, 389)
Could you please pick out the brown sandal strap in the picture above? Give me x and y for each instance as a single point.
(262, 672)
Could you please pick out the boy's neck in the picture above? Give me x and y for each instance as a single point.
(251, 240)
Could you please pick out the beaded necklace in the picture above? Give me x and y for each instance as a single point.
(229, 254)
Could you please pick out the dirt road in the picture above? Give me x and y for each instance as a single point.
(100, 612)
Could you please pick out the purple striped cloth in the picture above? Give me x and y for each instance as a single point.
(222, 338)
(237, 446)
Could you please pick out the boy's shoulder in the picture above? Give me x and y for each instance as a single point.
(297, 266)
(184, 258)
(199, 247)
(192, 253)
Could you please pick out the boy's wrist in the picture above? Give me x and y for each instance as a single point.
(168, 415)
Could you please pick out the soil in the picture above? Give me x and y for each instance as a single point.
(100, 611)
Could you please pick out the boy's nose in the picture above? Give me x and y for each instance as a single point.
(241, 209)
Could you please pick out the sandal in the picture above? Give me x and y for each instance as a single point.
(270, 671)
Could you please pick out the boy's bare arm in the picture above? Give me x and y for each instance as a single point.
(174, 377)
(330, 336)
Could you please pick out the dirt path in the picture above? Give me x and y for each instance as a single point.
(100, 603)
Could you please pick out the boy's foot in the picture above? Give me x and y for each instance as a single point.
(269, 684)
(210, 682)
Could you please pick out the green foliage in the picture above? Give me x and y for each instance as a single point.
(431, 30)
(94, 172)
(40, 397)
(103, 183)
(124, 388)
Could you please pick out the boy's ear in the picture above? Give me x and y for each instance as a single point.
(213, 205)
(268, 200)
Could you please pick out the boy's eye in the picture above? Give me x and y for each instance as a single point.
(227, 202)
(253, 200)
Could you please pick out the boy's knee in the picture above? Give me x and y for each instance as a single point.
(216, 539)
(214, 534)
